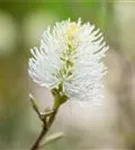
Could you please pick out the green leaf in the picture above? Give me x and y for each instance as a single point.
(52, 138)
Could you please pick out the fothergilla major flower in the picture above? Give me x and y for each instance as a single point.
(69, 60)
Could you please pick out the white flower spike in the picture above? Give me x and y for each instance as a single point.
(69, 60)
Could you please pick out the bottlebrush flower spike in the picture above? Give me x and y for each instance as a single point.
(68, 60)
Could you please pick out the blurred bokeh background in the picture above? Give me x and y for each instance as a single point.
(110, 125)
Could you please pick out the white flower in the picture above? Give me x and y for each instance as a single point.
(70, 55)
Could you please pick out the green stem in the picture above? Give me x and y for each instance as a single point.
(44, 131)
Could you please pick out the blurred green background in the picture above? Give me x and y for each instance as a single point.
(111, 126)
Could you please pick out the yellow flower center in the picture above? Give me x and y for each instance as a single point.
(71, 31)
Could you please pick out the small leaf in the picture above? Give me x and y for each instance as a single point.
(52, 138)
